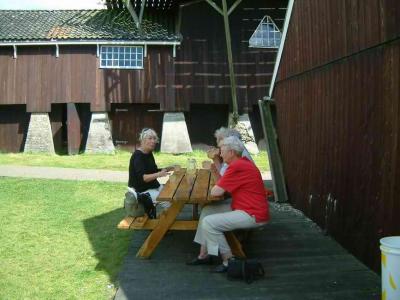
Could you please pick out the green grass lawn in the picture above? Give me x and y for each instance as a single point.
(59, 239)
(118, 161)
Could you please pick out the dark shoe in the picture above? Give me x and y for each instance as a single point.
(200, 261)
(220, 269)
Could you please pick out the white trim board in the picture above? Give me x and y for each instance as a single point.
(282, 45)
(43, 43)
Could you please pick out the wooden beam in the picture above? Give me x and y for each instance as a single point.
(166, 220)
(190, 3)
(126, 223)
(141, 14)
(178, 20)
(177, 225)
(236, 246)
(215, 6)
(234, 6)
(133, 13)
(278, 178)
(235, 115)
(73, 129)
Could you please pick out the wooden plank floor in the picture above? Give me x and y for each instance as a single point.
(300, 263)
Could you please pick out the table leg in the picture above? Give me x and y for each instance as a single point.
(167, 218)
(236, 246)
(195, 212)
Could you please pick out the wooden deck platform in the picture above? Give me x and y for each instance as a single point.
(299, 260)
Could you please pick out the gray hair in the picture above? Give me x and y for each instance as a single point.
(233, 143)
(224, 132)
(147, 133)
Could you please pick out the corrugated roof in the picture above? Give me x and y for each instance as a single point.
(114, 24)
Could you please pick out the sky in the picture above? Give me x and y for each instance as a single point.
(50, 4)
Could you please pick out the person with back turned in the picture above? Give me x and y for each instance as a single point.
(248, 209)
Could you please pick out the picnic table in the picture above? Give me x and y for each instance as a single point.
(182, 188)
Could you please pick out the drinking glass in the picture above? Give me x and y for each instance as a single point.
(191, 166)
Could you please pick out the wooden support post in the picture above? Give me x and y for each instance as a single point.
(235, 113)
(178, 20)
(236, 246)
(137, 19)
(225, 14)
(195, 212)
(73, 129)
(166, 220)
(237, 2)
(271, 138)
(141, 15)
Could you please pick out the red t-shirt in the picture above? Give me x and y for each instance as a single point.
(243, 181)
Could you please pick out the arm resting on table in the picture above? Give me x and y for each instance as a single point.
(151, 177)
(217, 191)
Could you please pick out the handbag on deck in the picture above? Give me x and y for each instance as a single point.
(139, 205)
(245, 269)
(132, 206)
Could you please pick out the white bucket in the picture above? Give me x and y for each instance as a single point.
(390, 258)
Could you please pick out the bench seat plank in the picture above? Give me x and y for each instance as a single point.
(178, 225)
(126, 223)
(139, 222)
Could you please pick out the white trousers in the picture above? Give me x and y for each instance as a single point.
(215, 219)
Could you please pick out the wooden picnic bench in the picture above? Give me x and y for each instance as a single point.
(181, 188)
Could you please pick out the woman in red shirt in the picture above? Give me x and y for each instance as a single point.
(249, 207)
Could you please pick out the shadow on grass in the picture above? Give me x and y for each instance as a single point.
(109, 244)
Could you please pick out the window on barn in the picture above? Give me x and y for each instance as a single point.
(267, 35)
(121, 57)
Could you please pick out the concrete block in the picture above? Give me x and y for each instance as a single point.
(99, 136)
(39, 138)
(175, 137)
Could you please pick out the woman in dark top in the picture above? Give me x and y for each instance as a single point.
(143, 171)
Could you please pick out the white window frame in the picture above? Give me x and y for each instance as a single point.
(116, 56)
(266, 35)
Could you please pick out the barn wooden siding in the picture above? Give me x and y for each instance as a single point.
(13, 127)
(129, 119)
(38, 79)
(202, 74)
(197, 77)
(69, 125)
(338, 119)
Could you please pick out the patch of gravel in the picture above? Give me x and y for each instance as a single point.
(285, 207)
